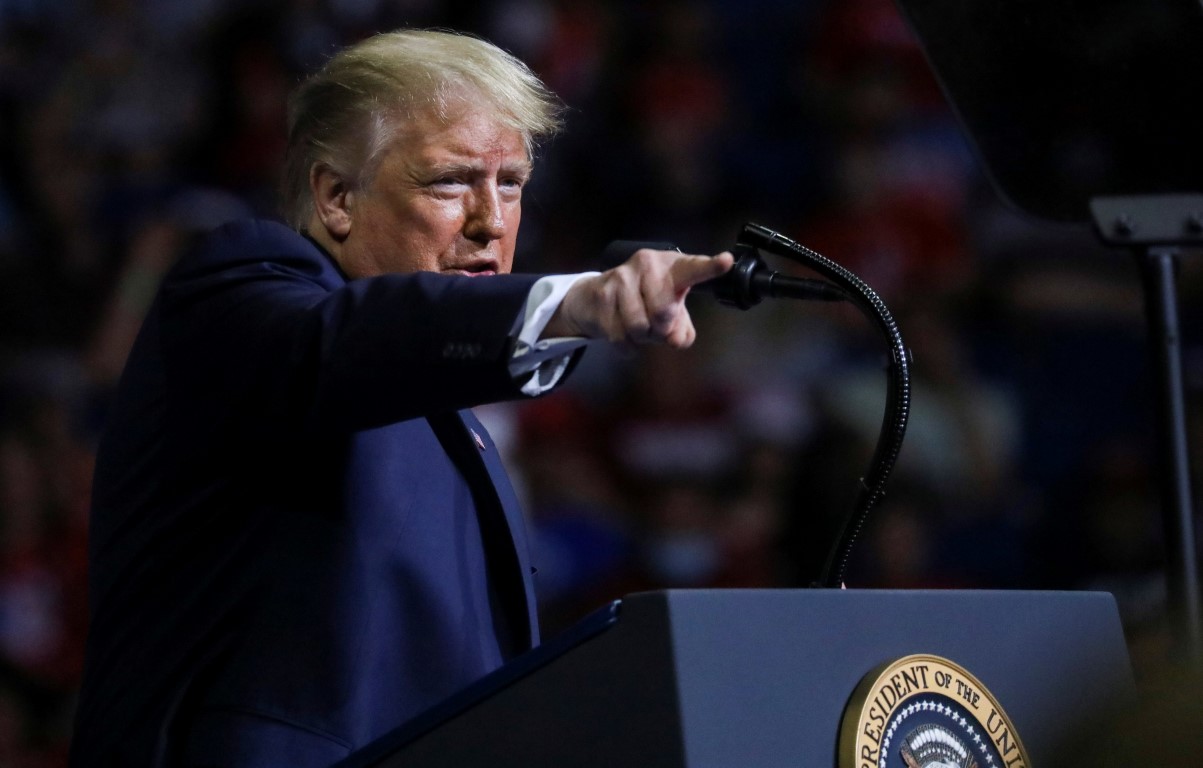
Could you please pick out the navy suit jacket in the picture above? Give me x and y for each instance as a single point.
(299, 539)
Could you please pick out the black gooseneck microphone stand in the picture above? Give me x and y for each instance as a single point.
(749, 281)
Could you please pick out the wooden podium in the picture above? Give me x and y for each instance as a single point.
(760, 678)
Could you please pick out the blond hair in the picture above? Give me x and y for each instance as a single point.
(346, 114)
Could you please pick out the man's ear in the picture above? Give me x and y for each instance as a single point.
(332, 200)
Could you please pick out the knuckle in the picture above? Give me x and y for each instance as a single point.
(646, 260)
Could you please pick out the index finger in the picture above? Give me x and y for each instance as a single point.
(688, 271)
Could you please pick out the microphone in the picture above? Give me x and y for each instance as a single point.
(746, 284)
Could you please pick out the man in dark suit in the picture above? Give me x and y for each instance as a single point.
(300, 536)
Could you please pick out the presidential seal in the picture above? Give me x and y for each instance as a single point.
(926, 712)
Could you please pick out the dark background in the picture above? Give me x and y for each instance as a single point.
(127, 126)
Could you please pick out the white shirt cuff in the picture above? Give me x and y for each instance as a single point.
(547, 359)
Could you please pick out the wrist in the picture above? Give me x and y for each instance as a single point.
(564, 322)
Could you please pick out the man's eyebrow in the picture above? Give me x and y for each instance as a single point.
(452, 166)
(523, 167)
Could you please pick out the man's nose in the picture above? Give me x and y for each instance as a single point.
(485, 220)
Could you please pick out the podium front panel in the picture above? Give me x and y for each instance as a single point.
(761, 678)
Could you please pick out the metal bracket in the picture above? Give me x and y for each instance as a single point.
(1149, 219)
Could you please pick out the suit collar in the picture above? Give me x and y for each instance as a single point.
(326, 254)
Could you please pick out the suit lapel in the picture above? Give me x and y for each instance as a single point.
(501, 524)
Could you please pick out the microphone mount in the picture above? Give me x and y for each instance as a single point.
(750, 281)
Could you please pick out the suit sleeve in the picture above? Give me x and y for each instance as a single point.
(259, 325)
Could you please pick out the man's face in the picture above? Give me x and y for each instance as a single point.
(447, 197)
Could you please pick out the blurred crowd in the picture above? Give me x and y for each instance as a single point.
(128, 127)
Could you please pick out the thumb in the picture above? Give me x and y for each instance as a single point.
(688, 271)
